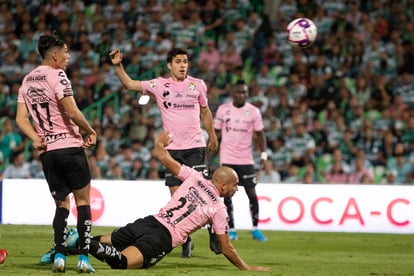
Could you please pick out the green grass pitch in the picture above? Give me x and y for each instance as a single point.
(287, 253)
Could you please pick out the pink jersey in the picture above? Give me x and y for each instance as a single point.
(237, 126)
(41, 91)
(179, 103)
(195, 204)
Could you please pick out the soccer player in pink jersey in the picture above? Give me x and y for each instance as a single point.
(238, 123)
(46, 96)
(144, 242)
(182, 101)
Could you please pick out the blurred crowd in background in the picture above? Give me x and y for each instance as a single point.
(340, 111)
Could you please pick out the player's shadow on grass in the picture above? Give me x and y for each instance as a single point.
(39, 266)
(202, 263)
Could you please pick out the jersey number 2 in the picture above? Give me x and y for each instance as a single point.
(190, 209)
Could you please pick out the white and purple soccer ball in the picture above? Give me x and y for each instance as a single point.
(301, 32)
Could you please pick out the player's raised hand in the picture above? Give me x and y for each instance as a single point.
(116, 57)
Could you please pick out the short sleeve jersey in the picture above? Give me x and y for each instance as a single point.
(195, 204)
(237, 127)
(179, 103)
(41, 91)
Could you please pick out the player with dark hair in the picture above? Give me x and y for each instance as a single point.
(46, 96)
(144, 242)
(182, 101)
(238, 123)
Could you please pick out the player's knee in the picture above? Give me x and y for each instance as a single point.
(133, 258)
(118, 264)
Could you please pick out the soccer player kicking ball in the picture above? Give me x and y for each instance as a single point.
(144, 242)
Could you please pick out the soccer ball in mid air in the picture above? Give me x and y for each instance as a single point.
(301, 32)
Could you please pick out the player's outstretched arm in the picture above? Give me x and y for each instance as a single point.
(127, 82)
(161, 141)
(231, 254)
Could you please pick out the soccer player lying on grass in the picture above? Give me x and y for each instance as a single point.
(196, 203)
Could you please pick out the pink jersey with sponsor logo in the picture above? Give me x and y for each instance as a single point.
(195, 204)
(179, 103)
(237, 126)
(41, 91)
